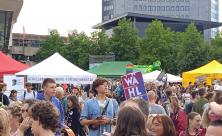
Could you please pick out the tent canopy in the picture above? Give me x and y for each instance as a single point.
(113, 69)
(60, 69)
(208, 72)
(10, 66)
(152, 76)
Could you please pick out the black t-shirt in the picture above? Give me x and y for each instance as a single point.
(5, 100)
(28, 132)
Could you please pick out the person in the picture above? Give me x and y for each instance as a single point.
(28, 92)
(60, 94)
(177, 115)
(48, 94)
(25, 127)
(90, 94)
(45, 119)
(154, 108)
(4, 123)
(73, 116)
(119, 93)
(193, 126)
(13, 96)
(195, 98)
(213, 111)
(15, 117)
(139, 103)
(214, 129)
(128, 124)
(162, 125)
(199, 105)
(3, 98)
(186, 97)
(77, 92)
(98, 112)
(210, 98)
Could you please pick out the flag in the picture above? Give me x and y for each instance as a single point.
(162, 77)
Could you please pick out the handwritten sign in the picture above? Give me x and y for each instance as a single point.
(133, 86)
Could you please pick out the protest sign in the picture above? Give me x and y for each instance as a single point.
(133, 86)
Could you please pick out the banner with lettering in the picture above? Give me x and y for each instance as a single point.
(133, 86)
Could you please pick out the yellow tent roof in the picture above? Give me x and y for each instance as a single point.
(213, 67)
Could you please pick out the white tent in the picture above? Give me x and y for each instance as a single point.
(152, 76)
(58, 68)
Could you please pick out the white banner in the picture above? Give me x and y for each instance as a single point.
(13, 82)
(62, 79)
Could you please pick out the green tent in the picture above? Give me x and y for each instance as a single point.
(113, 69)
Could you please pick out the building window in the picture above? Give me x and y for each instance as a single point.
(162, 8)
(181, 8)
(187, 8)
(153, 8)
(167, 8)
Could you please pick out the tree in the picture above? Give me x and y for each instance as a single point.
(125, 41)
(77, 51)
(100, 43)
(216, 47)
(54, 43)
(192, 51)
(158, 44)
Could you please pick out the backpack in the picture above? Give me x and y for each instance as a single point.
(25, 94)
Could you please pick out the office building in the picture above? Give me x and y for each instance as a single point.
(25, 46)
(9, 11)
(205, 10)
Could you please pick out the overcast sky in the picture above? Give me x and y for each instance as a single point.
(38, 16)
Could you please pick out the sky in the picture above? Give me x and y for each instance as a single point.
(40, 16)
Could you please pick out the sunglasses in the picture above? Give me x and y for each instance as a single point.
(24, 110)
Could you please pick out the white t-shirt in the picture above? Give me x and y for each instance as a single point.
(186, 98)
(28, 95)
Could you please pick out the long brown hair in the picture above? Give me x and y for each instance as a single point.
(128, 124)
(168, 126)
(75, 102)
(190, 116)
(175, 102)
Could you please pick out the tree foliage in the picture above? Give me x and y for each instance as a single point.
(177, 51)
(158, 44)
(191, 51)
(125, 41)
(54, 43)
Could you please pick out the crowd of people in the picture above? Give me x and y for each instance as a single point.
(102, 110)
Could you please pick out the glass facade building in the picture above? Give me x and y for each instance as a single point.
(5, 29)
(206, 10)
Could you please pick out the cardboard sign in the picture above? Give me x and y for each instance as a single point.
(133, 86)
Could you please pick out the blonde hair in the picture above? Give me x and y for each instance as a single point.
(4, 123)
(59, 90)
(205, 121)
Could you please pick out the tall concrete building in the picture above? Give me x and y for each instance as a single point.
(206, 10)
(25, 46)
(9, 11)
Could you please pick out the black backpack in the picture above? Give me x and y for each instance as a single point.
(25, 94)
